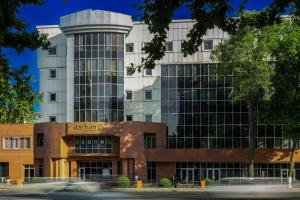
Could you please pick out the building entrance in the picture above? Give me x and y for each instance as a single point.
(187, 175)
(94, 170)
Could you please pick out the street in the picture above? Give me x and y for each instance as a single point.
(154, 195)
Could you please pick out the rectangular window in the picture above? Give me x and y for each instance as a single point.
(129, 118)
(93, 144)
(148, 94)
(149, 141)
(148, 72)
(52, 51)
(129, 47)
(129, 71)
(52, 96)
(128, 95)
(28, 172)
(151, 171)
(208, 45)
(148, 118)
(143, 45)
(52, 73)
(52, 118)
(16, 143)
(41, 170)
(169, 46)
(40, 139)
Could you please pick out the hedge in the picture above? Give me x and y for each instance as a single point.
(165, 182)
(123, 181)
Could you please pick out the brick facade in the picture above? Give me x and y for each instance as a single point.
(128, 156)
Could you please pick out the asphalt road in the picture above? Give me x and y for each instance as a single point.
(154, 195)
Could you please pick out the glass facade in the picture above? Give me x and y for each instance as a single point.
(94, 170)
(93, 144)
(151, 171)
(98, 77)
(197, 106)
(193, 172)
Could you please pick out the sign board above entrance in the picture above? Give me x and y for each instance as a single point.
(87, 128)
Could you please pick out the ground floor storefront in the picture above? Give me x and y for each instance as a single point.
(194, 172)
(104, 151)
(184, 172)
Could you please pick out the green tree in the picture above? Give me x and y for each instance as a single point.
(246, 58)
(284, 106)
(157, 15)
(17, 97)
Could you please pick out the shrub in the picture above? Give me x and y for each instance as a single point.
(165, 182)
(179, 185)
(37, 180)
(208, 182)
(123, 181)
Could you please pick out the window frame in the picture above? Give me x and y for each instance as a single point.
(50, 96)
(143, 45)
(41, 170)
(39, 142)
(52, 53)
(50, 73)
(205, 42)
(127, 72)
(147, 115)
(149, 138)
(31, 170)
(129, 91)
(167, 43)
(151, 167)
(126, 117)
(151, 70)
(52, 117)
(12, 142)
(129, 44)
(145, 96)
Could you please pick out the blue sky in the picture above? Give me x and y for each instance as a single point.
(52, 10)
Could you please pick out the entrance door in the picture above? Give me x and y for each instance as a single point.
(187, 175)
(94, 170)
(213, 174)
(82, 173)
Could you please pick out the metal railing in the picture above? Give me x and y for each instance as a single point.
(252, 180)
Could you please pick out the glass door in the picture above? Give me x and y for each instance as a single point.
(213, 174)
(82, 173)
(187, 175)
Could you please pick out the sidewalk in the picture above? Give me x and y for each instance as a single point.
(223, 188)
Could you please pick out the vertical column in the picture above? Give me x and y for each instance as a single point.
(74, 169)
(114, 164)
(48, 168)
(131, 168)
(124, 166)
(70, 78)
(57, 169)
(63, 168)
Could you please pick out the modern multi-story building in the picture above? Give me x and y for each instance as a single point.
(175, 120)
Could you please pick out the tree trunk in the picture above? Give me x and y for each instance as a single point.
(292, 159)
(252, 135)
